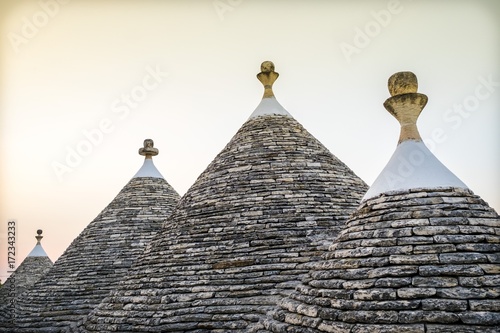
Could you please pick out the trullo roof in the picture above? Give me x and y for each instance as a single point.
(101, 255)
(32, 268)
(241, 235)
(423, 258)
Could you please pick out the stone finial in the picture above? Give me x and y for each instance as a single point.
(39, 236)
(148, 150)
(267, 76)
(405, 104)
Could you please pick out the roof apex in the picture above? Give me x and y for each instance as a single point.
(148, 169)
(38, 250)
(412, 165)
(269, 105)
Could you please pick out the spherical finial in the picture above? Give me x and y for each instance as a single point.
(267, 67)
(267, 76)
(402, 83)
(148, 150)
(39, 236)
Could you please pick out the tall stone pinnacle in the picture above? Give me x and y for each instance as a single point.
(422, 169)
(405, 104)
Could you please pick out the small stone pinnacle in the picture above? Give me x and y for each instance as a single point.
(267, 76)
(39, 236)
(405, 104)
(148, 150)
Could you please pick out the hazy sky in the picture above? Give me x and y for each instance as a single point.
(95, 78)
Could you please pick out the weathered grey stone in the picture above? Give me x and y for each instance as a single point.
(480, 281)
(493, 258)
(434, 281)
(393, 282)
(475, 247)
(380, 294)
(416, 259)
(453, 270)
(469, 293)
(459, 239)
(416, 292)
(414, 240)
(462, 258)
(490, 269)
(369, 317)
(431, 328)
(397, 271)
(436, 230)
(485, 305)
(334, 327)
(409, 317)
(392, 250)
(399, 328)
(481, 318)
(358, 284)
(488, 222)
(436, 304)
(435, 248)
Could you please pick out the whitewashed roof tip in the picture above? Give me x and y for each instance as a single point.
(148, 169)
(412, 165)
(269, 105)
(38, 250)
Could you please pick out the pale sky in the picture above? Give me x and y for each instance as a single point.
(96, 78)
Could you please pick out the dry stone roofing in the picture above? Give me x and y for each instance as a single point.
(101, 255)
(419, 259)
(33, 267)
(243, 233)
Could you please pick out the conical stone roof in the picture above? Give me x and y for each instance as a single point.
(241, 234)
(33, 267)
(415, 259)
(101, 255)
